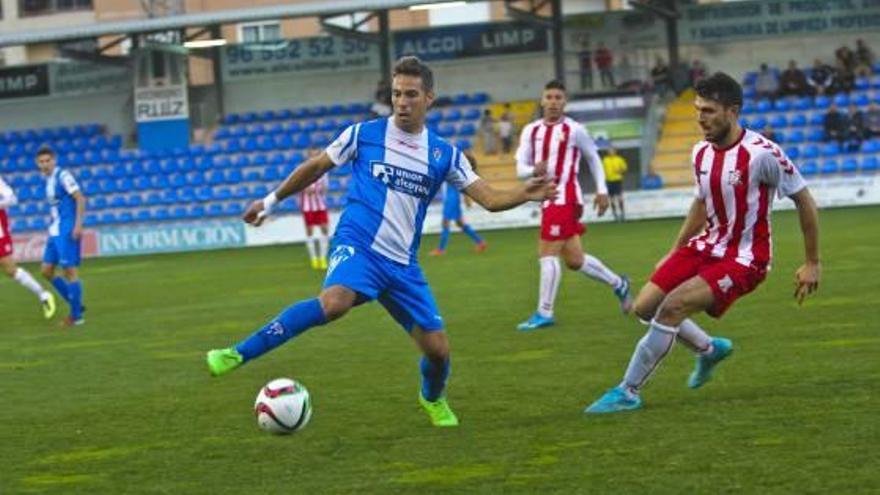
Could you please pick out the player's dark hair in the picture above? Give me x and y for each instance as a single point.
(45, 150)
(721, 88)
(411, 65)
(555, 84)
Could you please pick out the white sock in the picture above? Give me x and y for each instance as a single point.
(649, 352)
(694, 337)
(311, 246)
(595, 269)
(25, 279)
(551, 274)
(323, 245)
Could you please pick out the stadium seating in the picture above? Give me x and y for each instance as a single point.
(251, 152)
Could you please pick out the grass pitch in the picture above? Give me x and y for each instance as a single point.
(125, 404)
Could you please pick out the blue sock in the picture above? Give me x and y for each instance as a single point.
(293, 321)
(433, 378)
(74, 292)
(472, 233)
(444, 239)
(61, 286)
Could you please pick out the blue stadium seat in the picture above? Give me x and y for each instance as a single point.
(651, 182)
(748, 107)
(161, 214)
(759, 122)
(452, 115)
(234, 176)
(796, 137)
(268, 115)
(870, 164)
(97, 203)
(471, 114)
(215, 210)
(310, 126)
(143, 215)
(293, 127)
(822, 102)
(154, 199)
(126, 184)
(216, 177)
(798, 120)
(242, 161)
(841, 99)
(328, 125)
(303, 141)
(815, 134)
(829, 167)
(248, 118)
(170, 196)
(467, 130)
(177, 180)
(241, 192)
(195, 178)
(90, 220)
(222, 161)
(862, 100)
(117, 201)
(446, 130)
(830, 149)
(871, 146)
(233, 210)
(803, 103)
(187, 195)
(233, 146)
(764, 106)
(809, 168)
(108, 218)
(284, 114)
(810, 151)
(204, 194)
(779, 121)
(434, 117)
(849, 166)
(258, 159)
(197, 211)
(479, 98)
(793, 152)
(781, 105)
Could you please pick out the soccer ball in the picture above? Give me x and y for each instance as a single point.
(283, 406)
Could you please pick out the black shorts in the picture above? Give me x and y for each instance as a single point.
(615, 188)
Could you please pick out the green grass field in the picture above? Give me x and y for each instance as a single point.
(125, 404)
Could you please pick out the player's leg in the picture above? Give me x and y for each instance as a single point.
(323, 243)
(51, 257)
(692, 296)
(444, 238)
(69, 260)
(20, 275)
(548, 287)
(576, 259)
(467, 229)
(311, 245)
(620, 206)
(409, 300)
(689, 333)
(352, 279)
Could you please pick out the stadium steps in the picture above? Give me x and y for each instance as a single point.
(678, 133)
(496, 168)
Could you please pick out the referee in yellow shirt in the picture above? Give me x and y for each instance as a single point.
(615, 168)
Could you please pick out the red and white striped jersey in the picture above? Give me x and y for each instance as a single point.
(561, 145)
(737, 185)
(314, 197)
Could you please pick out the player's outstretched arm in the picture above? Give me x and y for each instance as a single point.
(693, 224)
(80, 214)
(534, 189)
(302, 177)
(806, 279)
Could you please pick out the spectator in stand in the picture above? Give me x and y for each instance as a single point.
(872, 121)
(505, 129)
(698, 72)
(487, 133)
(864, 59)
(767, 83)
(844, 69)
(857, 128)
(585, 64)
(836, 125)
(844, 57)
(793, 81)
(821, 79)
(604, 60)
(660, 77)
(381, 100)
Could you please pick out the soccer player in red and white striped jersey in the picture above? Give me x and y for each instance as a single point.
(8, 265)
(313, 204)
(555, 145)
(723, 250)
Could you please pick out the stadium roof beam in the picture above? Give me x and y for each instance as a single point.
(661, 8)
(553, 23)
(219, 17)
(668, 11)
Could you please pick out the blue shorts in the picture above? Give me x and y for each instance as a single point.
(452, 204)
(401, 289)
(62, 250)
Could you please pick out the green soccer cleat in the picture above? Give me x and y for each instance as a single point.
(439, 411)
(49, 307)
(221, 361)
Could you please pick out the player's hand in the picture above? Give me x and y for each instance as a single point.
(541, 168)
(600, 204)
(77, 232)
(540, 189)
(806, 280)
(255, 213)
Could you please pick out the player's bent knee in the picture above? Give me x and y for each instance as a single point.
(48, 272)
(336, 303)
(673, 310)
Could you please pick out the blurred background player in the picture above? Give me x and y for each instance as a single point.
(398, 165)
(452, 213)
(68, 206)
(7, 264)
(723, 248)
(615, 168)
(553, 145)
(313, 204)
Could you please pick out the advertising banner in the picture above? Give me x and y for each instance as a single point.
(316, 54)
(165, 238)
(24, 82)
(471, 40)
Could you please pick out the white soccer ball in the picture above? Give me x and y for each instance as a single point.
(283, 406)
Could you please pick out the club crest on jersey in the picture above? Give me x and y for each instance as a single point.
(340, 254)
(725, 284)
(402, 180)
(437, 154)
(734, 177)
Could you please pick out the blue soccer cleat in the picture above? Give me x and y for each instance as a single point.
(535, 322)
(623, 295)
(721, 348)
(615, 400)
